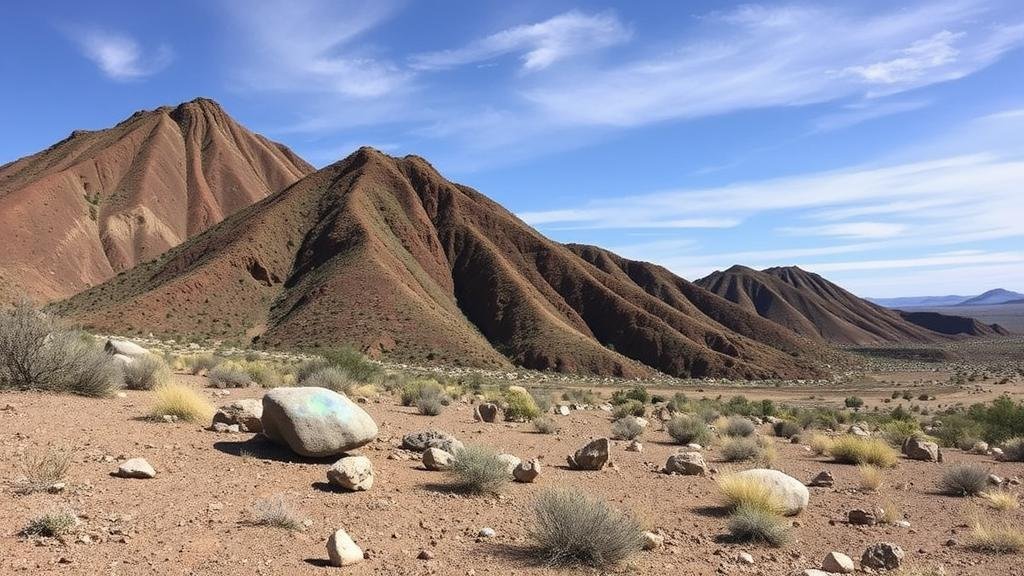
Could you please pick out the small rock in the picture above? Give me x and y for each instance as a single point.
(634, 446)
(745, 558)
(342, 550)
(917, 448)
(882, 556)
(859, 517)
(352, 473)
(425, 555)
(420, 441)
(486, 533)
(436, 459)
(994, 480)
(486, 412)
(652, 541)
(135, 468)
(511, 462)
(824, 479)
(838, 563)
(527, 471)
(562, 410)
(686, 464)
(593, 456)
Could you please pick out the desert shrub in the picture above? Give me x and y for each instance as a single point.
(571, 529)
(686, 429)
(854, 402)
(678, 403)
(638, 393)
(1001, 500)
(786, 429)
(355, 363)
(56, 522)
(896, 432)
(229, 374)
(276, 512)
(856, 450)
(581, 396)
(308, 367)
(956, 429)
(431, 401)
(520, 407)
(145, 373)
(542, 398)
(995, 536)
(1001, 419)
(738, 427)
(42, 469)
(629, 408)
(265, 375)
(752, 524)
(963, 480)
(871, 477)
(1013, 450)
(414, 389)
(737, 491)
(545, 425)
(747, 449)
(477, 469)
(182, 401)
(328, 377)
(820, 444)
(626, 428)
(202, 363)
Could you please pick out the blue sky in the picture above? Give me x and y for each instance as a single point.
(876, 144)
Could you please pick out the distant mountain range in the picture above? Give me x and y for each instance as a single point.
(990, 298)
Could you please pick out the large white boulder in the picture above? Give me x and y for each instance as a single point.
(315, 422)
(125, 348)
(790, 491)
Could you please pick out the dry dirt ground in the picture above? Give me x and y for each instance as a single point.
(189, 519)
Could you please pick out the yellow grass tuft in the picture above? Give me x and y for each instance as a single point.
(182, 401)
(820, 444)
(1000, 537)
(871, 477)
(890, 512)
(1001, 500)
(856, 450)
(745, 491)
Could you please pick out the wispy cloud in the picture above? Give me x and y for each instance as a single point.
(540, 45)
(864, 111)
(852, 230)
(119, 56)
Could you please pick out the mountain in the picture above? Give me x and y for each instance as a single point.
(948, 324)
(100, 202)
(919, 301)
(816, 308)
(996, 296)
(385, 254)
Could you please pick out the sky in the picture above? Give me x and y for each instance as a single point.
(876, 143)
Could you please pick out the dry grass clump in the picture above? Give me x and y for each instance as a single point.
(627, 428)
(477, 470)
(42, 469)
(747, 450)
(572, 529)
(737, 491)
(995, 536)
(431, 401)
(752, 524)
(276, 512)
(146, 372)
(229, 374)
(819, 443)
(963, 480)
(856, 450)
(56, 522)
(890, 512)
(200, 363)
(1001, 500)
(520, 406)
(545, 425)
(871, 477)
(182, 401)
(686, 429)
(738, 427)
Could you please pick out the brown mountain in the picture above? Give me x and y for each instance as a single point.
(815, 308)
(100, 202)
(953, 325)
(386, 254)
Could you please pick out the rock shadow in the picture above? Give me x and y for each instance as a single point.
(263, 449)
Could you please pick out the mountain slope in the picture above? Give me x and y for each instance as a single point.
(816, 308)
(386, 254)
(919, 301)
(100, 202)
(947, 324)
(996, 296)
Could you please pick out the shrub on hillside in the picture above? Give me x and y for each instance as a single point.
(571, 529)
(328, 377)
(358, 366)
(678, 403)
(478, 470)
(431, 401)
(896, 432)
(581, 397)
(963, 480)
(200, 363)
(229, 374)
(686, 429)
(145, 373)
(856, 450)
(414, 389)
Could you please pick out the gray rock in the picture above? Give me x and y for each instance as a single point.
(420, 441)
(436, 459)
(593, 456)
(979, 448)
(860, 517)
(562, 410)
(838, 563)
(486, 412)
(793, 494)
(858, 431)
(527, 471)
(315, 422)
(246, 413)
(225, 428)
(342, 550)
(686, 464)
(824, 479)
(882, 556)
(135, 468)
(353, 473)
(917, 448)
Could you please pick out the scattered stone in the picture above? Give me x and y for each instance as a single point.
(994, 480)
(562, 410)
(815, 572)
(425, 555)
(510, 461)
(793, 494)
(652, 541)
(135, 468)
(824, 479)
(917, 448)
(486, 412)
(593, 456)
(315, 422)
(634, 446)
(858, 431)
(882, 556)
(225, 428)
(245, 413)
(859, 517)
(420, 441)
(352, 473)
(527, 471)
(997, 453)
(837, 563)
(686, 464)
(342, 550)
(169, 418)
(979, 448)
(745, 558)
(694, 446)
(436, 459)
(486, 533)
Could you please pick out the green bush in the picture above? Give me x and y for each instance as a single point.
(626, 428)
(431, 401)
(358, 366)
(896, 432)
(786, 429)
(414, 389)
(738, 427)
(629, 408)
(956, 430)
(637, 393)
(1000, 420)
(520, 407)
(229, 375)
(56, 522)
(571, 529)
(678, 403)
(854, 402)
(581, 397)
(686, 429)
(478, 470)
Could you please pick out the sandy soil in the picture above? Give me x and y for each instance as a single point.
(188, 520)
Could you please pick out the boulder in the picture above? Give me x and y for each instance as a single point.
(124, 348)
(882, 556)
(436, 459)
(593, 456)
(486, 412)
(527, 471)
(860, 517)
(342, 550)
(510, 462)
(315, 422)
(793, 494)
(246, 413)
(686, 464)
(917, 448)
(135, 468)
(353, 473)
(824, 479)
(420, 441)
(123, 360)
(837, 563)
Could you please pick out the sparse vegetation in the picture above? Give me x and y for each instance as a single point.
(1013, 450)
(786, 429)
(146, 372)
(276, 512)
(637, 393)
(202, 363)
(571, 529)
(686, 429)
(182, 401)
(626, 428)
(742, 450)
(752, 524)
(477, 470)
(854, 402)
(871, 477)
(520, 406)
(896, 432)
(1001, 500)
(629, 408)
(819, 444)
(738, 427)
(581, 396)
(737, 491)
(963, 480)
(56, 522)
(545, 425)
(856, 450)
(431, 401)
(229, 374)
(41, 469)
(995, 536)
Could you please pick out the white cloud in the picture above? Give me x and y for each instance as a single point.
(119, 56)
(920, 58)
(931, 261)
(541, 44)
(853, 230)
(864, 111)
